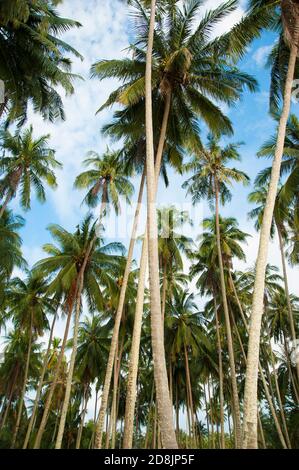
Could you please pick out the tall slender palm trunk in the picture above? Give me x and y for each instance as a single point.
(134, 354)
(235, 396)
(221, 395)
(48, 403)
(118, 316)
(72, 362)
(21, 404)
(80, 285)
(264, 382)
(85, 403)
(165, 417)
(287, 292)
(8, 404)
(278, 394)
(40, 385)
(189, 392)
(250, 397)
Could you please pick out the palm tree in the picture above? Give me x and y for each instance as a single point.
(106, 180)
(280, 217)
(10, 246)
(290, 20)
(93, 348)
(208, 282)
(75, 255)
(210, 180)
(28, 306)
(169, 244)
(30, 162)
(185, 335)
(34, 60)
(160, 373)
(177, 92)
(13, 373)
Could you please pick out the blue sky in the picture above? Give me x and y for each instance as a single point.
(105, 34)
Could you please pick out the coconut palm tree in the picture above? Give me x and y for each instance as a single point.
(211, 180)
(106, 181)
(28, 163)
(28, 306)
(290, 21)
(280, 218)
(93, 348)
(169, 245)
(160, 372)
(10, 246)
(173, 83)
(13, 372)
(65, 263)
(34, 60)
(185, 335)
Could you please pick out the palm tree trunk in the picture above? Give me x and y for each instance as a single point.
(219, 347)
(74, 352)
(211, 415)
(177, 410)
(5, 204)
(287, 292)
(281, 408)
(118, 316)
(114, 400)
(207, 412)
(24, 387)
(40, 385)
(134, 354)
(261, 430)
(56, 375)
(85, 401)
(7, 407)
(250, 397)
(264, 382)
(164, 291)
(238, 435)
(160, 372)
(189, 391)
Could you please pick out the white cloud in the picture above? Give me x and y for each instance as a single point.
(261, 54)
(104, 34)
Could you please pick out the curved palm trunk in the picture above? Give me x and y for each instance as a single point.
(250, 397)
(40, 385)
(134, 354)
(15, 434)
(219, 347)
(114, 340)
(48, 403)
(264, 382)
(287, 292)
(228, 327)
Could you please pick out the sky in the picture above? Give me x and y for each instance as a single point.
(105, 34)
